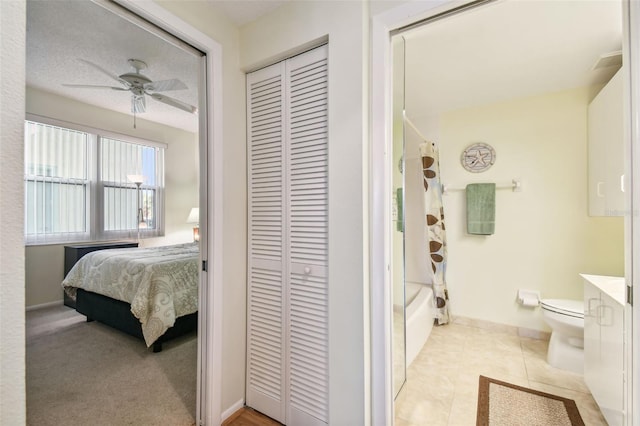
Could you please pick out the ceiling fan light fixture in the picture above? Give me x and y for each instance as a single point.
(134, 79)
(138, 104)
(140, 86)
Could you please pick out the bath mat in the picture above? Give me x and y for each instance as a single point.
(501, 403)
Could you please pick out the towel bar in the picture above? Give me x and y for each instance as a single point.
(515, 186)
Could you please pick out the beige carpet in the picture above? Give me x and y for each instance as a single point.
(81, 373)
(501, 403)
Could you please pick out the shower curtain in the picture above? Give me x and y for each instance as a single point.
(435, 228)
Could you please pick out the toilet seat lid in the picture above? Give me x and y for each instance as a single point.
(573, 308)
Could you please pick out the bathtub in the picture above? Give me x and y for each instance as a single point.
(420, 313)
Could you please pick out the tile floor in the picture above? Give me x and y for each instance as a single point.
(442, 383)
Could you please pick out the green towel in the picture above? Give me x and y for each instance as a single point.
(481, 208)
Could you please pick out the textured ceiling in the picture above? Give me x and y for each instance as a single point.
(503, 50)
(506, 50)
(61, 32)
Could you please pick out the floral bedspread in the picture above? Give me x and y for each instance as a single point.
(160, 283)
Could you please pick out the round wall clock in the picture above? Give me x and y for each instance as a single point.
(478, 157)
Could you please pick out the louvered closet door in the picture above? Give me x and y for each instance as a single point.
(266, 228)
(287, 353)
(307, 186)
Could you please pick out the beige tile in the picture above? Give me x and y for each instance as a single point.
(431, 383)
(534, 348)
(496, 343)
(402, 422)
(420, 409)
(426, 413)
(441, 349)
(539, 371)
(467, 386)
(444, 362)
(494, 365)
(450, 336)
(455, 331)
(442, 383)
(487, 325)
(464, 409)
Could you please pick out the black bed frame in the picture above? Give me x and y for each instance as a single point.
(117, 314)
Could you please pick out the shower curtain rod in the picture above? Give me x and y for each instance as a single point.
(515, 185)
(413, 126)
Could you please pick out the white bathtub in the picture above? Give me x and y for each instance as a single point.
(420, 313)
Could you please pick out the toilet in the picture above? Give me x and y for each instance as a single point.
(566, 346)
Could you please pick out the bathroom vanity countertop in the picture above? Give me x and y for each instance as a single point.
(612, 286)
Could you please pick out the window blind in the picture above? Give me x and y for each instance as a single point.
(57, 185)
(77, 186)
(122, 205)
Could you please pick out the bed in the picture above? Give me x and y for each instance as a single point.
(150, 293)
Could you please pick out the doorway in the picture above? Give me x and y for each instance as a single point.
(208, 406)
(383, 25)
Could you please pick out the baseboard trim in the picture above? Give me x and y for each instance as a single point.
(232, 410)
(43, 305)
(503, 328)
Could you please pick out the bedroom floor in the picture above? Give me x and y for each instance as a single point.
(81, 373)
(442, 384)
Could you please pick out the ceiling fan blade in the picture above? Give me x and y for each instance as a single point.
(165, 85)
(91, 86)
(138, 104)
(174, 103)
(105, 72)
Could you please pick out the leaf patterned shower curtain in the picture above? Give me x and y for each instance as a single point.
(435, 228)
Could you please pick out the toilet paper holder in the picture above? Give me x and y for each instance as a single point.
(528, 298)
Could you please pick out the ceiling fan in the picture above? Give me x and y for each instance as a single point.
(140, 85)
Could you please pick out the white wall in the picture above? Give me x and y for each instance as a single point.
(45, 263)
(12, 340)
(544, 236)
(212, 23)
(267, 40)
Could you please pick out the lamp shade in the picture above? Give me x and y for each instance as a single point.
(194, 215)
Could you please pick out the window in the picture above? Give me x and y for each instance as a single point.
(57, 182)
(119, 161)
(79, 185)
